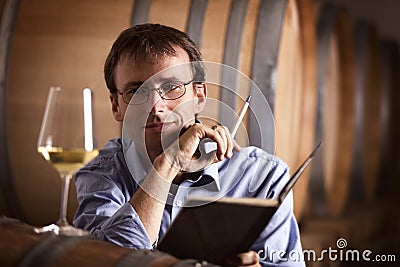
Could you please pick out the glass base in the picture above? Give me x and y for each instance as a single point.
(62, 230)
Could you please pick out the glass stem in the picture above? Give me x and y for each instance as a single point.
(65, 179)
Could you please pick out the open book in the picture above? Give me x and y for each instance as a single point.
(213, 231)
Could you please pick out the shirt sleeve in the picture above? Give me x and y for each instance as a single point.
(279, 244)
(104, 207)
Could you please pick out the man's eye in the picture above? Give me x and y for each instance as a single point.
(136, 91)
(131, 91)
(170, 86)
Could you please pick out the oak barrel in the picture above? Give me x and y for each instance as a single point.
(8, 15)
(331, 172)
(368, 107)
(389, 156)
(20, 246)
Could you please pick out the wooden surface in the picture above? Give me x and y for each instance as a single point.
(20, 246)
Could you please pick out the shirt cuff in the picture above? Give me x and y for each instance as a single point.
(125, 229)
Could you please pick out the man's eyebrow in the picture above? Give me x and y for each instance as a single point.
(137, 84)
(173, 78)
(132, 84)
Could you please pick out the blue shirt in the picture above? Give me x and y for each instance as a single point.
(105, 186)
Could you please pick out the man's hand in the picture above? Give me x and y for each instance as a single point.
(184, 153)
(244, 259)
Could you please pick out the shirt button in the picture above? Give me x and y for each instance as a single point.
(179, 203)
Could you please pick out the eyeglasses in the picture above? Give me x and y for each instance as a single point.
(167, 91)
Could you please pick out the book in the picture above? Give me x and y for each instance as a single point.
(215, 230)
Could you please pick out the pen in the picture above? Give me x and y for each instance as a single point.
(241, 115)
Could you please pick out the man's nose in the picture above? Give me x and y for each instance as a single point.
(155, 103)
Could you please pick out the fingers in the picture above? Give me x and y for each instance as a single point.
(230, 142)
(191, 136)
(249, 258)
(225, 144)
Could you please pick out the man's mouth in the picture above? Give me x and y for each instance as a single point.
(158, 127)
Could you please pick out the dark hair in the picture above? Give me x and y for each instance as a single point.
(152, 40)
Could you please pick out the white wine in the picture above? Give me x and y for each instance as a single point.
(67, 161)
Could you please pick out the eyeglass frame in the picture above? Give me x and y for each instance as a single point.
(158, 91)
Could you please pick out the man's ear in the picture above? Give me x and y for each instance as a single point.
(115, 108)
(200, 97)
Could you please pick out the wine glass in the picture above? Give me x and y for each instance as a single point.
(66, 141)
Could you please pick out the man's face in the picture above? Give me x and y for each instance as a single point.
(157, 119)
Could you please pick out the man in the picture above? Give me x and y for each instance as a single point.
(113, 207)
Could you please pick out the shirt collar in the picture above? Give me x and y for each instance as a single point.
(213, 172)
